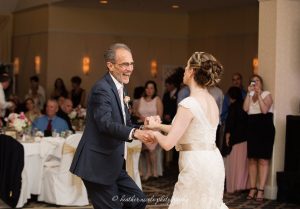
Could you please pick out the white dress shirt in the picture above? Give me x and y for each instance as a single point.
(3, 103)
(120, 88)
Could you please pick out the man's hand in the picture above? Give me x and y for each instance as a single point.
(144, 136)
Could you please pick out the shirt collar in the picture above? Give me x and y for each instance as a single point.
(117, 83)
(53, 118)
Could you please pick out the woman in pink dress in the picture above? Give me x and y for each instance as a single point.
(148, 105)
(236, 163)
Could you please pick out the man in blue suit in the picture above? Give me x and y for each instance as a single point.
(99, 158)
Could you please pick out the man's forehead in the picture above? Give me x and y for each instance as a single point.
(50, 103)
(68, 103)
(123, 54)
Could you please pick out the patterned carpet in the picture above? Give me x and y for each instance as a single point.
(159, 192)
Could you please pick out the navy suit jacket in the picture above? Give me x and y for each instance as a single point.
(99, 156)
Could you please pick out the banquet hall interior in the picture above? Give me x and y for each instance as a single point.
(52, 39)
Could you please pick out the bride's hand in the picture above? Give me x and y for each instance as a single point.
(157, 119)
(152, 122)
(151, 137)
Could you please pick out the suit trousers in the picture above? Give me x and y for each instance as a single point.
(123, 194)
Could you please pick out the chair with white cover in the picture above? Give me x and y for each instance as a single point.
(60, 186)
(47, 152)
(132, 161)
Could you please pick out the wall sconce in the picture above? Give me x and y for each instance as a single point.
(153, 68)
(86, 65)
(16, 66)
(37, 64)
(255, 65)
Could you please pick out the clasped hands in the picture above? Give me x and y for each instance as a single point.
(147, 135)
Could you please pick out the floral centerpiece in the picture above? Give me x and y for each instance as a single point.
(78, 113)
(19, 122)
(77, 117)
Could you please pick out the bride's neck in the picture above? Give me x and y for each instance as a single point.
(197, 89)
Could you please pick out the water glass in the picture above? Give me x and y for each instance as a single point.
(63, 134)
(55, 133)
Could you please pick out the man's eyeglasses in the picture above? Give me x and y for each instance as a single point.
(125, 65)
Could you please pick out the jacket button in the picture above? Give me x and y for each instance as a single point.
(122, 155)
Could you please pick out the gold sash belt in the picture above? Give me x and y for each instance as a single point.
(68, 149)
(195, 147)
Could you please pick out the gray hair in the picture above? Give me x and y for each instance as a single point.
(110, 53)
(53, 101)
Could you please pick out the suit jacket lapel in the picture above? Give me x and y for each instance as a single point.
(115, 91)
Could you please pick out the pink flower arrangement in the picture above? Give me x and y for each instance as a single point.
(78, 113)
(18, 121)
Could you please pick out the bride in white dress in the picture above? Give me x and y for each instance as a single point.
(201, 179)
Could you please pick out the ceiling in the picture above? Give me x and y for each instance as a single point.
(160, 5)
(7, 6)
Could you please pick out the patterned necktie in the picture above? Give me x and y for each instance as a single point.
(49, 126)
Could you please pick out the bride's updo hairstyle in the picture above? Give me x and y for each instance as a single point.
(208, 69)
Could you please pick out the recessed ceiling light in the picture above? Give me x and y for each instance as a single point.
(175, 6)
(103, 1)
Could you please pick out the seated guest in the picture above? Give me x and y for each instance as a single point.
(64, 110)
(60, 101)
(11, 109)
(50, 121)
(59, 89)
(32, 112)
(77, 93)
(37, 92)
(20, 106)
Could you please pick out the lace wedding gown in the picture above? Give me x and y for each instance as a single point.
(201, 179)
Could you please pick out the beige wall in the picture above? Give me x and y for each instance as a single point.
(66, 34)
(73, 33)
(30, 39)
(231, 35)
(77, 32)
(5, 38)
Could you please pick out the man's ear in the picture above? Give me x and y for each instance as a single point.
(109, 66)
